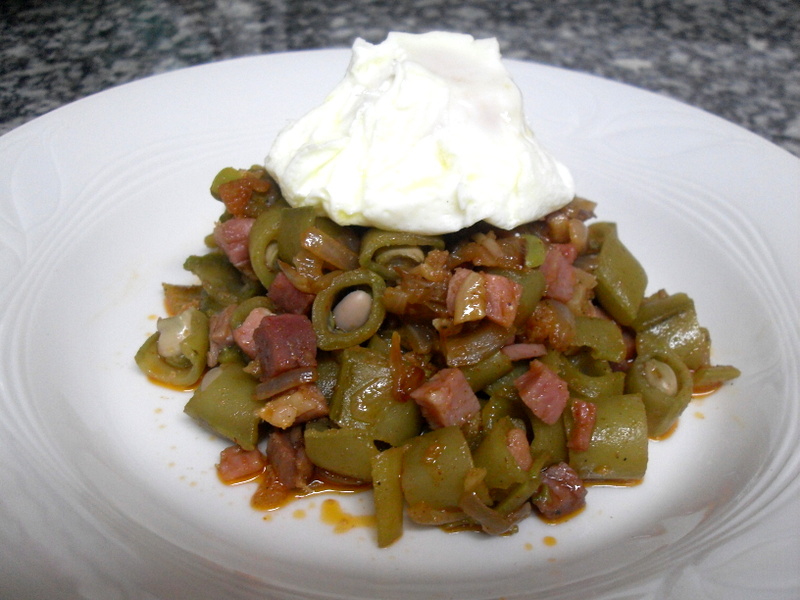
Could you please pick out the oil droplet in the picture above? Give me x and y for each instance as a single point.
(549, 540)
(528, 546)
(699, 415)
(299, 514)
(332, 514)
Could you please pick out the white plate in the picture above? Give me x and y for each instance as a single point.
(109, 491)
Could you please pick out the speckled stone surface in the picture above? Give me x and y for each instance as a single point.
(736, 59)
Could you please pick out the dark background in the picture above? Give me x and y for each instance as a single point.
(738, 60)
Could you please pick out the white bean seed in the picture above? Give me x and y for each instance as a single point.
(352, 311)
(661, 376)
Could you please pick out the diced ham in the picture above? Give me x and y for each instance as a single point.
(447, 399)
(584, 417)
(285, 342)
(520, 448)
(237, 464)
(565, 492)
(219, 333)
(244, 334)
(299, 405)
(502, 299)
(543, 391)
(524, 351)
(287, 454)
(500, 294)
(287, 297)
(559, 274)
(233, 236)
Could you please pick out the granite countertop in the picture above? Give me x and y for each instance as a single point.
(738, 60)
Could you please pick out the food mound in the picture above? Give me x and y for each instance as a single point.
(470, 379)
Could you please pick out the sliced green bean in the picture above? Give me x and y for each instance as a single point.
(621, 281)
(602, 336)
(387, 490)
(185, 363)
(435, 466)
(665, 384)
(549, 440)
(380, 250)
(349, 452)
(535, 251)
(263, 245)
(328, 336)
(618, 449)
(706, 378)
(241, 312)
(487, 371)
(585, 376)
(364, 400)
(670, 323)
(222, 282)
(294, 223)
(493, 455)
(225, 403)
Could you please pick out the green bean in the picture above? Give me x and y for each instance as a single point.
(345, 451)
(241, 312)
(474, 345)
(707, 378)
(493, 455)
(621, 281)
(670, 323)
(550, 440)
(619, 444)
(387, 470)
(535, 251)
(263, 244)
(186, 362)
(487, 371)
(328, 336)
(522, 492)
(223, 283)
(380, 250)
(491, 521)
(598, 232)
(497, 408)
(504, 386)
(602, 336)
(225, 403)
(585, 376)
(178, 298)
(364, 400)
(665, 384)
(327, 375)
(294, 223)
(435, 466)
(232, 353)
